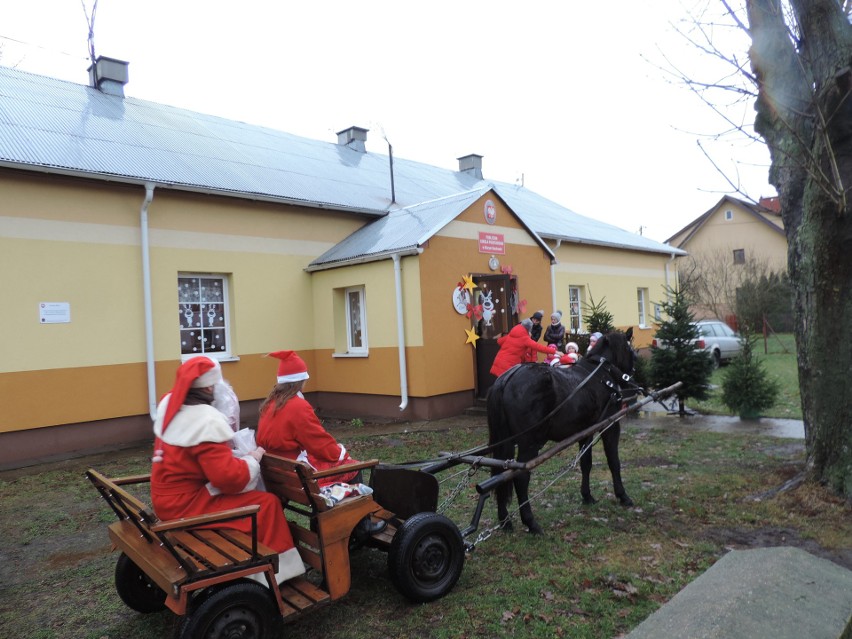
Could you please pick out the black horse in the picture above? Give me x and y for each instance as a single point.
(532, 404)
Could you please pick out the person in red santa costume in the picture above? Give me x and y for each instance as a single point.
(514, 347)
(289, 427)
(195, 470)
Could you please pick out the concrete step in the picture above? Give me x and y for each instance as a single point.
(765, 593)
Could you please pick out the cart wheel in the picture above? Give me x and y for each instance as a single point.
(136, 590)
(240, 610)
(426, 557)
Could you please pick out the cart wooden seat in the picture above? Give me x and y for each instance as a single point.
(182, 555)
(324, 542)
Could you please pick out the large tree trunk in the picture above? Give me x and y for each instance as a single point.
(804, 112)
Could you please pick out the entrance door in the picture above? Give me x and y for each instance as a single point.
(497, 294)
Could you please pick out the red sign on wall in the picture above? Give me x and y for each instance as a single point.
(492, 243)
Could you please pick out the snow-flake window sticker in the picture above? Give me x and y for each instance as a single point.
(201, 314)
(490, 212)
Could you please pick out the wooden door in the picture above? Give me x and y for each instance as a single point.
(498, 297)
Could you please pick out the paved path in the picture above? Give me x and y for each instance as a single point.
(765, 593)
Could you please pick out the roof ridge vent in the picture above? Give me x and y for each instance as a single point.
(471, 164)
(109, 75)
(354, 137)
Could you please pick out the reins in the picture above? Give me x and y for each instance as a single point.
(602, 362)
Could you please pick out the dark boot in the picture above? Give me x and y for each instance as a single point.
(366, 528)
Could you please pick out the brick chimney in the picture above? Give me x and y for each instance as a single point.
(471, 164)
(354, 137)
(109, 75)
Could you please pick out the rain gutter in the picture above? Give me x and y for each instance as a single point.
(146, 290)
(668, 285)
(400, 332)
(363, 259)
(553, 275)
(193, 188)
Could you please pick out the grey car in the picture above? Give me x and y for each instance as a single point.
(722, 342)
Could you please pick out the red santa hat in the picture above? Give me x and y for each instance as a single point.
(197, 372)
(291, 368)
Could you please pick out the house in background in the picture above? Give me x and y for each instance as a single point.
(731, 240)
(134, 235)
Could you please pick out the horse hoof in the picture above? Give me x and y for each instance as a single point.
(535, 529)
(507, 526)
(588, 501)
(626, 502)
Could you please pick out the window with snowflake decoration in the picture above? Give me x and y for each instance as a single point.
(203, 314)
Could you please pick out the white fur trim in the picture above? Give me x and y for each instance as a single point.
(289, 565)
(254, 473)
(294, 377)
(192, 425)
(342, 452)
(211, 377)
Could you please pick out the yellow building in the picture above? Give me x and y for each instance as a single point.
(135, 235)
(741, 230)
(732, 241)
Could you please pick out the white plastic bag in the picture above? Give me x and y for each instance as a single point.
(243, 443)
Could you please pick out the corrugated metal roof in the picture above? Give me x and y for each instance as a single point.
(399, 231)
(50, 124)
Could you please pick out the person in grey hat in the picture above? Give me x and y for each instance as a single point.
(555, 333)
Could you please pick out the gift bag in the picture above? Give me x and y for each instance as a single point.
(243, 443)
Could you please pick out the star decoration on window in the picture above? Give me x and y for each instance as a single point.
(471, 336)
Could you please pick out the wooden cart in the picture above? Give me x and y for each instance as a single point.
(202, 574)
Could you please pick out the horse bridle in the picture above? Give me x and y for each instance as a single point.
(617, 380)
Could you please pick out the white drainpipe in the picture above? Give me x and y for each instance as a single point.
(146, 289)
(668, 284)
(400, 331)
(553, 277)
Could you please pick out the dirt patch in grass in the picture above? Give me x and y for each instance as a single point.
(771, 537)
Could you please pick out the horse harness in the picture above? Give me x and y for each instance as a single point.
(613, 378)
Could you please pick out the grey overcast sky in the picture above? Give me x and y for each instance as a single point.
(565, 96)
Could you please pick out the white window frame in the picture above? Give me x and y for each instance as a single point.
(200, 310)
(729, 215)
(642, 297)
(351, 320)
(578, 290)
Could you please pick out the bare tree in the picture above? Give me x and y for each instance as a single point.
(712, 280)
(798, 77)
(800, 59)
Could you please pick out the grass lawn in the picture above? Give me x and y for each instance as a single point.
(597, 572)
(778, 354)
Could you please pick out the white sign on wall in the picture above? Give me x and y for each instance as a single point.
(54, 312)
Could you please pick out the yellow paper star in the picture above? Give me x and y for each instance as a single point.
(471, 336)
(468, 283)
